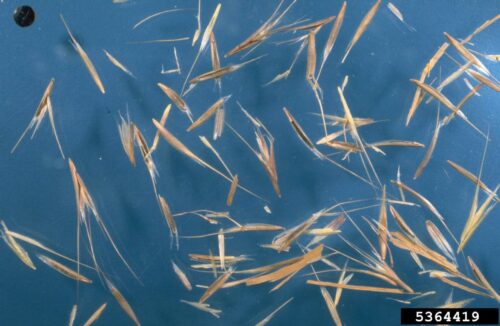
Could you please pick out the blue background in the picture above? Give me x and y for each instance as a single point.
(36, 192)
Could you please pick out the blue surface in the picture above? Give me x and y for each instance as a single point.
(36, 190)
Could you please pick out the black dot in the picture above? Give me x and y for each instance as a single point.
(24, 16)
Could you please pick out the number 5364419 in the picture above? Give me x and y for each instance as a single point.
(448, 316)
